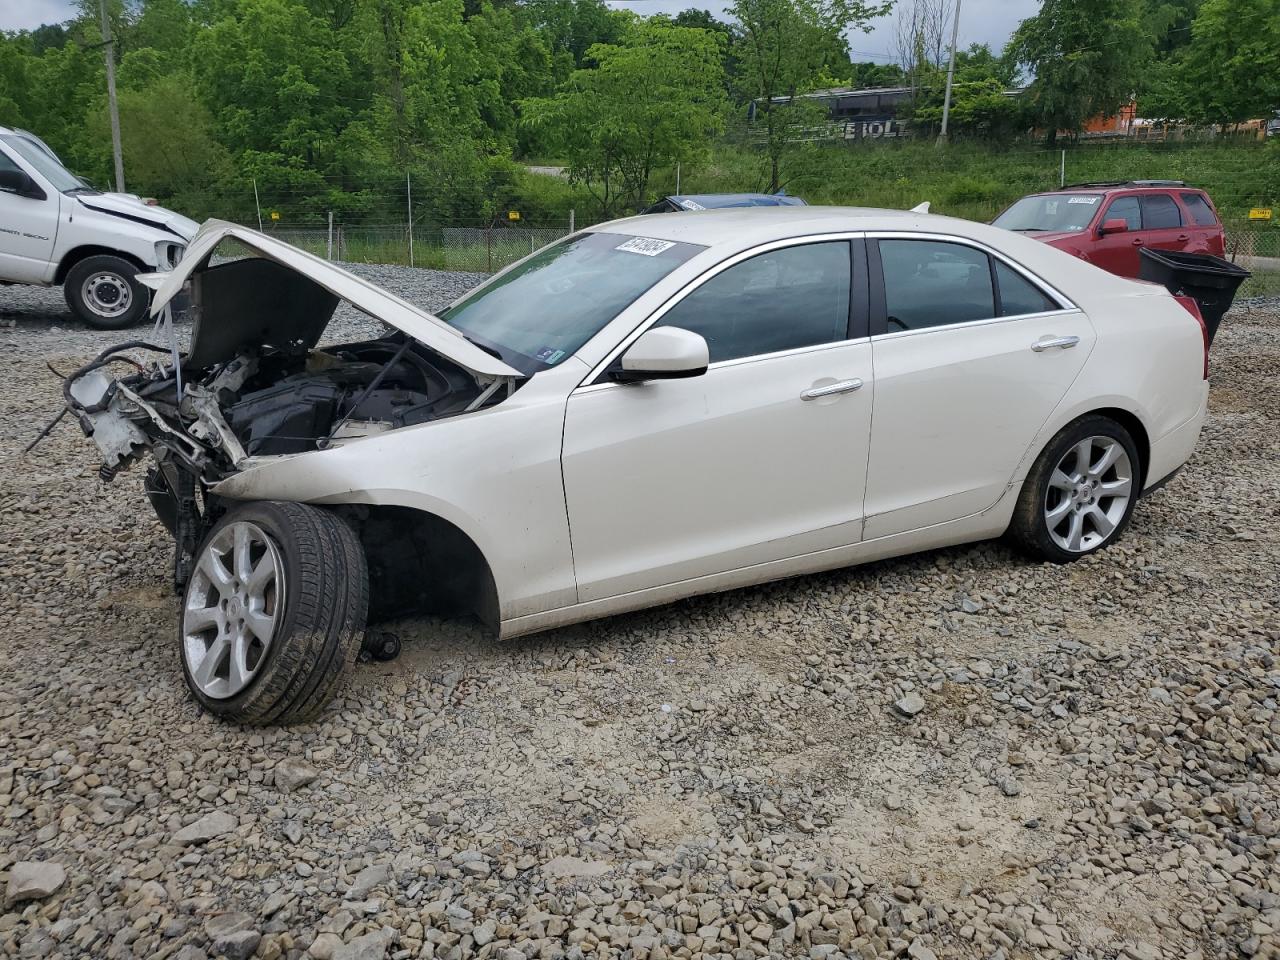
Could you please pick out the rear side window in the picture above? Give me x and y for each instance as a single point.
(1199, 209)
(1126, 209)
(1018, 295)
(930, 283)
(1159, 212)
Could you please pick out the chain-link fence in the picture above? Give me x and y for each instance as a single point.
(484, 248)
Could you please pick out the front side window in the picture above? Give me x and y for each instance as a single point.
(541, 311)
(932, 283)
(1159, 212)
(1126, 209)
(1199, 209)
(781, 300)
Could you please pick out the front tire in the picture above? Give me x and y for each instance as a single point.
(104, 292)
(1080, 493)
(274, 613)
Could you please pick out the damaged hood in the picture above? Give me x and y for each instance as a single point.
(131, 208)
(213, 331)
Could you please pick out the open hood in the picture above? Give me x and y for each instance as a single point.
(131, 208)
(286, 299)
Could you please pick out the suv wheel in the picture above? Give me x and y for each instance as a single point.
(104, 292)
(1080, 492)
(274, 612)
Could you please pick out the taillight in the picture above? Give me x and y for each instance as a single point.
(1193, 308)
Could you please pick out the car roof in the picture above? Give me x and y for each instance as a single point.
(749, 226)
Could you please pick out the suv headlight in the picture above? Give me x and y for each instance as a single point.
(168, 254)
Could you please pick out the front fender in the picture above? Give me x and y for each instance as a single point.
(494, 474)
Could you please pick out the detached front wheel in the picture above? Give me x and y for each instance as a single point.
(274, 613)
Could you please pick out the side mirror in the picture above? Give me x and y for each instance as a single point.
(663, 353)
(17, 182)
(1116, 225)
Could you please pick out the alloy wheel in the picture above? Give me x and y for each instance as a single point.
(234, 603)
(1088, 493)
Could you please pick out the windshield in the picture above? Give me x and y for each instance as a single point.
(541, 311)
(1059, 212)
(58, 176)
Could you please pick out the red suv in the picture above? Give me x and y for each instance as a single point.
(1108, 223)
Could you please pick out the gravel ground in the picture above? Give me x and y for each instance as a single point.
(954, 754)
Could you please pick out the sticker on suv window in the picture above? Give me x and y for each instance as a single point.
(645, 246)
(1089, 200)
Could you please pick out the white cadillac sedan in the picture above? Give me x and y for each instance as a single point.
(649, 409)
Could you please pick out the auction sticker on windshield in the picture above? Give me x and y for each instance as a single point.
(645, 246)
(1089, 200)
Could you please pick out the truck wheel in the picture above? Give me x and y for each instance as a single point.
(103, 291)
(274, 613)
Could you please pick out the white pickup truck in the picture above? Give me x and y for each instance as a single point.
(56, 229)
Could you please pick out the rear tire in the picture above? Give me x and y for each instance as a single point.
(1080, 493)
(104, 292)
(274, 613)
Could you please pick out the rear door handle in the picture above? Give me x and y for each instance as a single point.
(1183, 238)
(1062, 343)
(843, 386)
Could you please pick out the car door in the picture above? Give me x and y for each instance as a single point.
(1162, 223)
(28, 228)
(971, 354)
(1118, 252)
(762, 458)
(1206, 229)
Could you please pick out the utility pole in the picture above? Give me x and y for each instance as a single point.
(951, 72)
(108, 49)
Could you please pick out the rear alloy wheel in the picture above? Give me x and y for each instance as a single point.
(1080, 493)
(104, 292)
(274, 612)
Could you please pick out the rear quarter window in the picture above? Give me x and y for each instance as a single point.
(1199, 210)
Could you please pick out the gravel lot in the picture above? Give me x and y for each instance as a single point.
(1093, 770)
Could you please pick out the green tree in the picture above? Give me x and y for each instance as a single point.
(652, 101)
(1230, 72)
(979, 99)
(1088, 58)
(783, 48)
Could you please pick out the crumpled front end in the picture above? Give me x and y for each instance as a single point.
(255, 384)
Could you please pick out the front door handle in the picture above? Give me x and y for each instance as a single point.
(843, 386)
(1062, 343)
(1137, 242)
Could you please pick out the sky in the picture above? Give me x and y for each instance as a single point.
(981, 21)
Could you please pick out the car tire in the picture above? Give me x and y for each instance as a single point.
(274, 613)
(104, 292)
(1068, 509)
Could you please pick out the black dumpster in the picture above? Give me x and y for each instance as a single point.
(1208, 280)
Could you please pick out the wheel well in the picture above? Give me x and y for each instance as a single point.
(82, 253)
(1139, 434)
(421, 563)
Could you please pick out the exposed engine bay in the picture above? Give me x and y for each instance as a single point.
(258, 404)
(264, 404)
